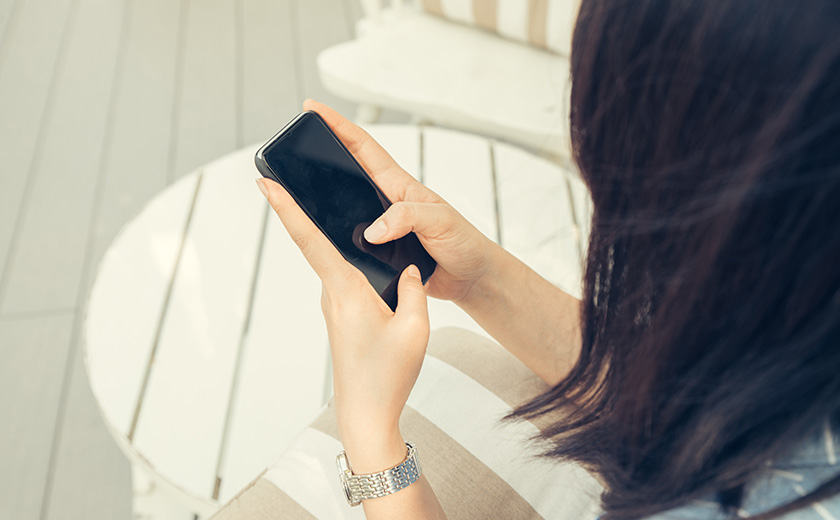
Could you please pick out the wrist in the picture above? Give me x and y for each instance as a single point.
(486, 286)
(374, 453)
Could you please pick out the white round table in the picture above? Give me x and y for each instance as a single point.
(204, 342)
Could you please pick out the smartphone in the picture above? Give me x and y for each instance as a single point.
(332, 188)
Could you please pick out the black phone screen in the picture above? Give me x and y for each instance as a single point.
(341, 199)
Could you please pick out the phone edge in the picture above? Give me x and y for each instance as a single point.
(266, 171)
(259, 158)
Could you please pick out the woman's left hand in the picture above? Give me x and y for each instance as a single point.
(376, 353)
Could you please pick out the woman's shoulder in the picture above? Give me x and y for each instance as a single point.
(809, 464)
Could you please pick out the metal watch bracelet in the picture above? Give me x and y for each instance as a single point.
(375, 485)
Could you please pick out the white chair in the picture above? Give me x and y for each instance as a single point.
(449, 69)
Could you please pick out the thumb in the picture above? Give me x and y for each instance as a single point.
(411, 297)
(427, 219)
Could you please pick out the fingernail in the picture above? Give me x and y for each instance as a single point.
(376, 231)
(262, 187)
(414, 272)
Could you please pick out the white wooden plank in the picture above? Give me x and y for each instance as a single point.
(183, 412)
(47, 262)
(7, 9)
(560, 24)
(126, 301)
(458, 168)
(207, 100)
(512, 19)
(34, 352)
(137, 161)
(151, 503)
(35, 37)
(458, 10)
(537, 217)
(320, 24)
(92, 477)
(270, 95)
(473, 83)
(87, 480)
(354, 11)
(281, 381)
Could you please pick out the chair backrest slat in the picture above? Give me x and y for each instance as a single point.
(547, 24)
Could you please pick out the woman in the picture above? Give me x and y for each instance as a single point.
(705, 351)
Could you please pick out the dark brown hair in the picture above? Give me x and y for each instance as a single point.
(709, 134)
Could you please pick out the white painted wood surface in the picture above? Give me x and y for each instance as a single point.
(126, 301)
(332, 30)
(137, 161)
(537, 222)
(92, 478)
(45, 241)
(183, 411)
(284, 363)
(560, 24)
(120, 64)
(207, 79)
(460, 10)
(269, 94)
(33, 357)
(459, 168)
(512, 19)
(87, 454)
(25, 92)
(6, 10)
(515, 19)
(457, 76)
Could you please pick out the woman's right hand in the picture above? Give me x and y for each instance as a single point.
(463, 254)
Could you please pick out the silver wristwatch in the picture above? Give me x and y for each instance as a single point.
(375, 485)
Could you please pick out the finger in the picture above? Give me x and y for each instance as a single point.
(428, 220)
(319, 252)
(411, 296)
(384, 170)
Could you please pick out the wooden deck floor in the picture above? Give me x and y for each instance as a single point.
(102, 104)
